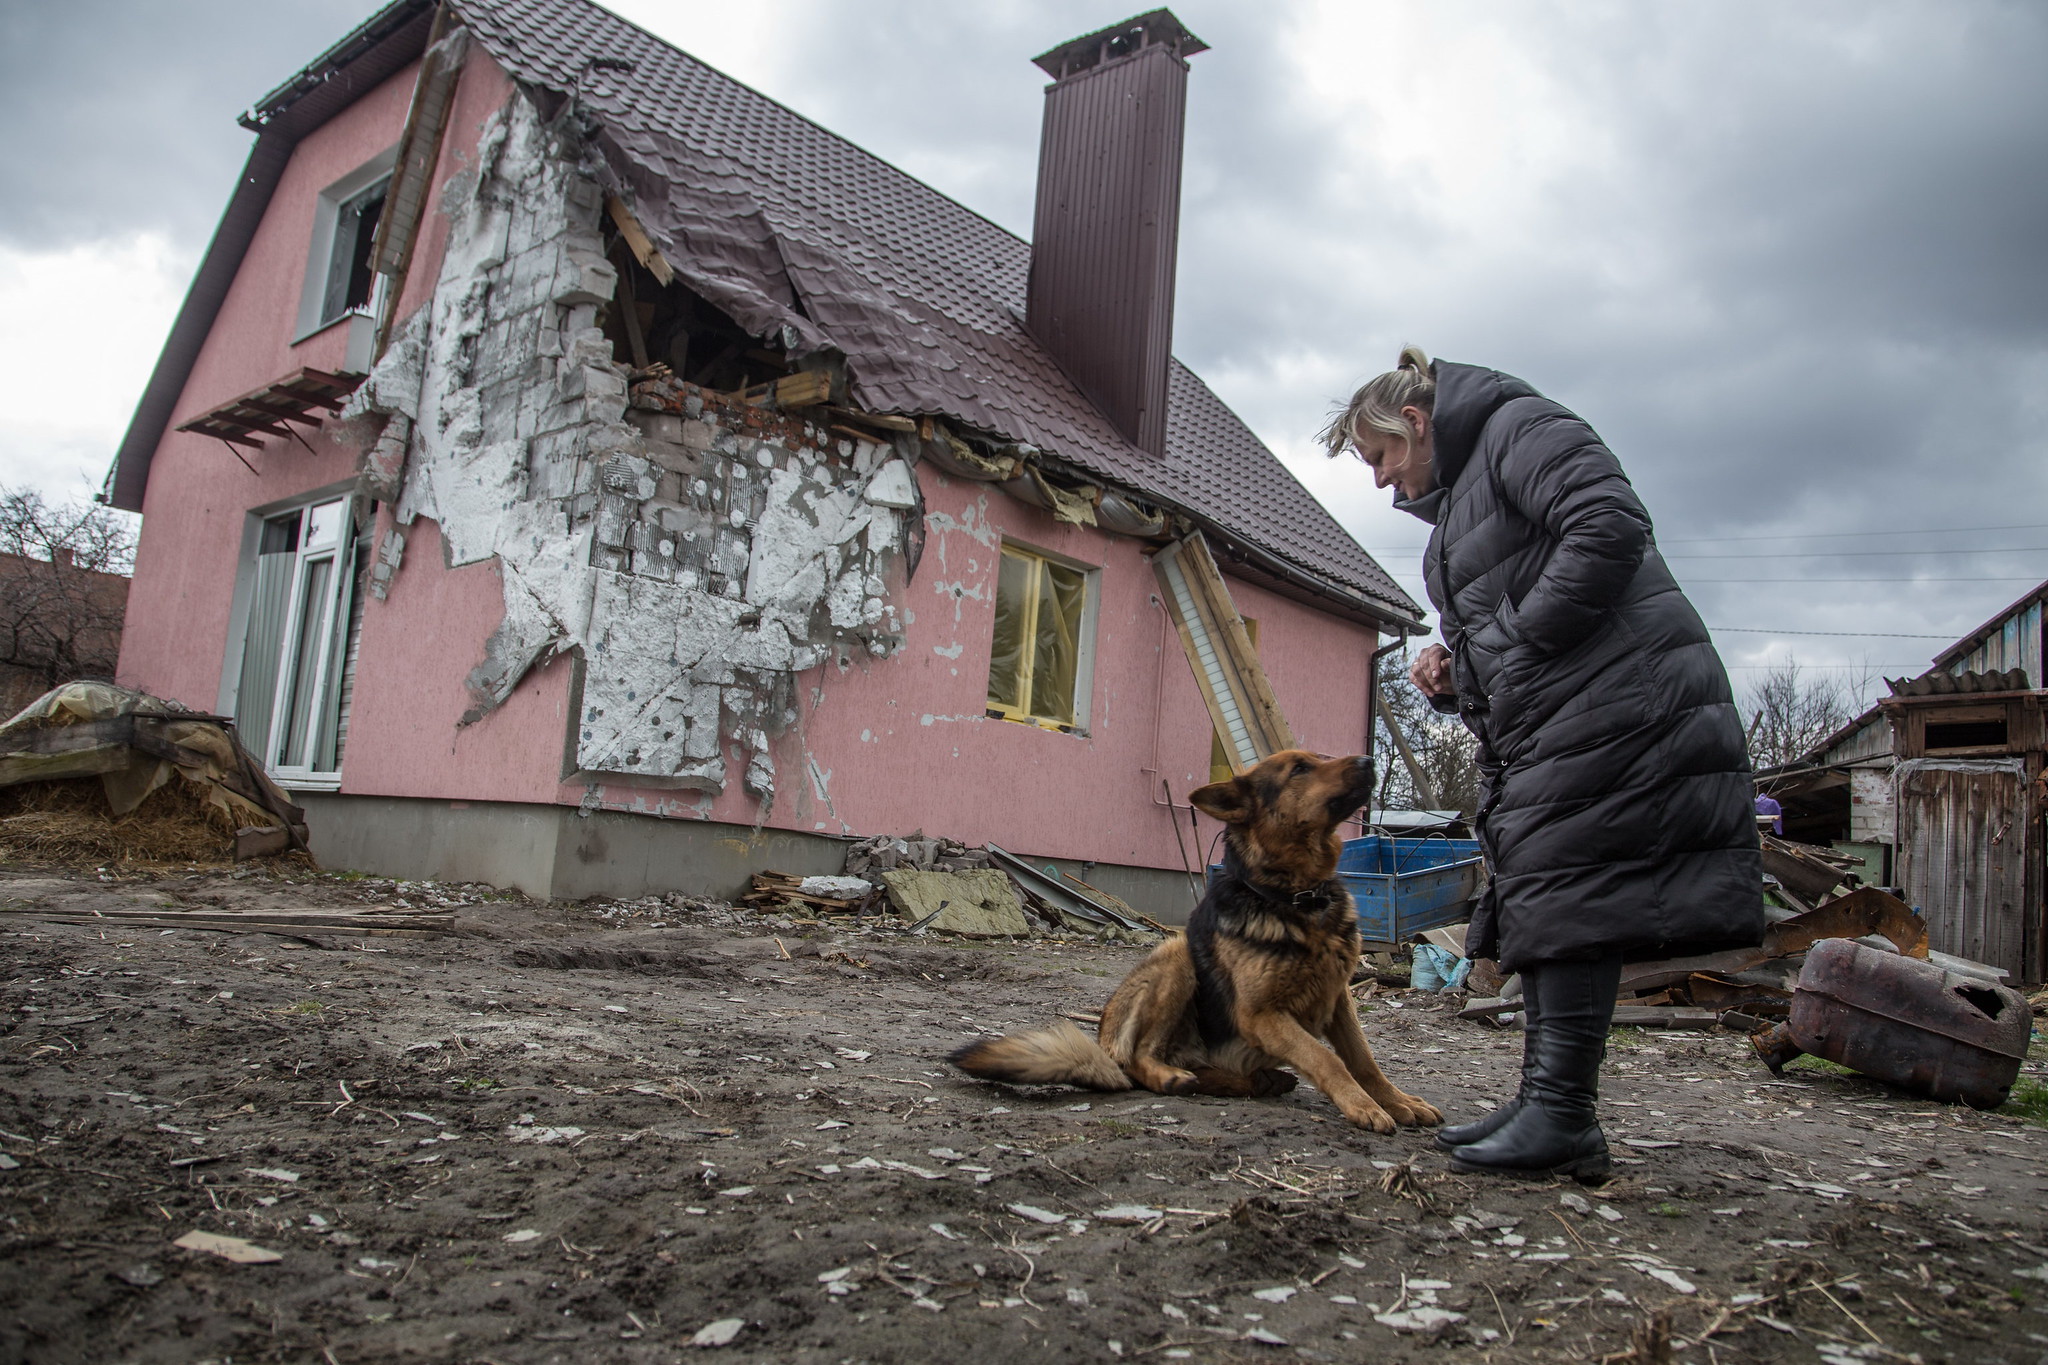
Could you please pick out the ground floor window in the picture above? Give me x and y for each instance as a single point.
(297, 659)
(1038, 666)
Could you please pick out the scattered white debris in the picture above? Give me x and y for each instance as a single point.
(522, 1134)
(1577, 1203)
(738, 1192)
(1609, 1212)
(1671, 1279)
(946, 1232)
(852, 1054)
(1264, 1338)
(720, 1333)
(834, 1276)
(235, 1249)
(273, 1173)
(1421, 1318)
(523, 1235)
(1277, 1294)
(831, 1123)
(1127, 1213)
(1036, 1214)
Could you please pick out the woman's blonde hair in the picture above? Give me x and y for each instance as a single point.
(1377, 404)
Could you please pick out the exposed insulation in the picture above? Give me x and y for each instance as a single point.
(697, 556)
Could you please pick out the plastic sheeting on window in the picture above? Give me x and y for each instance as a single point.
(1035, 658)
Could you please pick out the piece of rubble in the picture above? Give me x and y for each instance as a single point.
(236, 1249)
(978, 904)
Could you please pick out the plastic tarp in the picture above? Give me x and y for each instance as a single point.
(135, 743)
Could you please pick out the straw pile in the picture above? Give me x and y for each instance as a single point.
(68, 821)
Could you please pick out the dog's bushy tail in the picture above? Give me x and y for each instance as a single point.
(1060, 1055)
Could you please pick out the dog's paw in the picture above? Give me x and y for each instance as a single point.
(1270, 1082)
(1180, 1083)
(1411, 1112)
(1370, 1116)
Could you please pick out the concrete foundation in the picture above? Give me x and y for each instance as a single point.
(557, 853)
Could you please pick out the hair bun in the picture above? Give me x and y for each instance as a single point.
(1413, 358)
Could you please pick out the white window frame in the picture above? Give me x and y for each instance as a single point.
(324, 724)
(1084, 645)
(320, 251)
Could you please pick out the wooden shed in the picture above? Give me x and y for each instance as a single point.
(1968, 787)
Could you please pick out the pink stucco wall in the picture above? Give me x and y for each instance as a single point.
(883, 746)
(897, 744)
(199, 494)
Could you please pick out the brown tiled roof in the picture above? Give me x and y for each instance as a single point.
(786, 225)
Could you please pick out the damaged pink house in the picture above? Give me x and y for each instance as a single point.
(575, 471)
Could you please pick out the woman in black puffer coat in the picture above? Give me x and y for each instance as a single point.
(1617, 807)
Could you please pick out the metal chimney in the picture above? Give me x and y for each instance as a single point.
(1108, 222)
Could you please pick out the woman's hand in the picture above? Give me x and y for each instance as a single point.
(1431, 672)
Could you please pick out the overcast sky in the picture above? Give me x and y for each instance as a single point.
(1787, 259)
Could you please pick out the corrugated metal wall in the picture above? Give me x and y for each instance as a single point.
(1964, 842)
(1106, 232)
(2015, 644)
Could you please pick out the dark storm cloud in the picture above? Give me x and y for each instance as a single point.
(1788, 259)
(120, 117)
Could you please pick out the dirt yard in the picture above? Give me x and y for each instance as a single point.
(605, 1132)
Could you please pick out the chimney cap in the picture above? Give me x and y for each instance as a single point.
(1157, 28)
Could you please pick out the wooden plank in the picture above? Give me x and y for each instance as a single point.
(629, 314)
(887, 421)
(804, 389)
(638, 242)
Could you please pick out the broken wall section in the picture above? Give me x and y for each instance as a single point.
(696, 552)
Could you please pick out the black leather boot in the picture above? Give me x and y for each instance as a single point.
(1463, 1133)
(1556, 1131)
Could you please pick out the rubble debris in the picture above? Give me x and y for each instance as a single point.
(87, 771)
(886, 853)
(1937, 1033)
(1807, 871)
(972, 904)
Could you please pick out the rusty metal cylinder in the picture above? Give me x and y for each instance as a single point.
(1951, 1037)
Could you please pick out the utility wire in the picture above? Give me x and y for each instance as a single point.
(1849, 634)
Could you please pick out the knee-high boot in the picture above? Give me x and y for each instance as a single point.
(1556, 1131)
(1464, 1133)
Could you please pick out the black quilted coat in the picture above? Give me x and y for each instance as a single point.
(1617, 812)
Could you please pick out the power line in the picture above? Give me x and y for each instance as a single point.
(1822, 554)
(2007, 578)
(1850, 634)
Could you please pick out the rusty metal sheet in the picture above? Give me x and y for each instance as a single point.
(1866, 910)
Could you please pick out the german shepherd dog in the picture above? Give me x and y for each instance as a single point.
(1260, 981)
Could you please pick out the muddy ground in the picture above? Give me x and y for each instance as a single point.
(590, 1133)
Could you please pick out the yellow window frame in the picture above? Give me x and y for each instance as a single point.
(1037, 567)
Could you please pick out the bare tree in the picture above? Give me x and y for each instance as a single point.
(1788, 712)
(1442, 747)
(63, 586)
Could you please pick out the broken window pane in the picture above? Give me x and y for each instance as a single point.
(1036, 654)
(349, 278)
(1056, 653)
(1013, 606)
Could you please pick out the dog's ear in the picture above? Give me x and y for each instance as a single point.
(1230, 802)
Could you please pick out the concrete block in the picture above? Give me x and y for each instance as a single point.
(578, 381)
(584, 279)
(978, 904)
(699, 435)
(677, 459)
(659, 426)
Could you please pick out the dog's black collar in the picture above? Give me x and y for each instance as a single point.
(1234, 868)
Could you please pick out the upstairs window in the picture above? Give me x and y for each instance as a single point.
(349, 279)
(1039, 665)
(339, 282)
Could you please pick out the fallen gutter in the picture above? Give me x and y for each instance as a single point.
(1046, 889)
